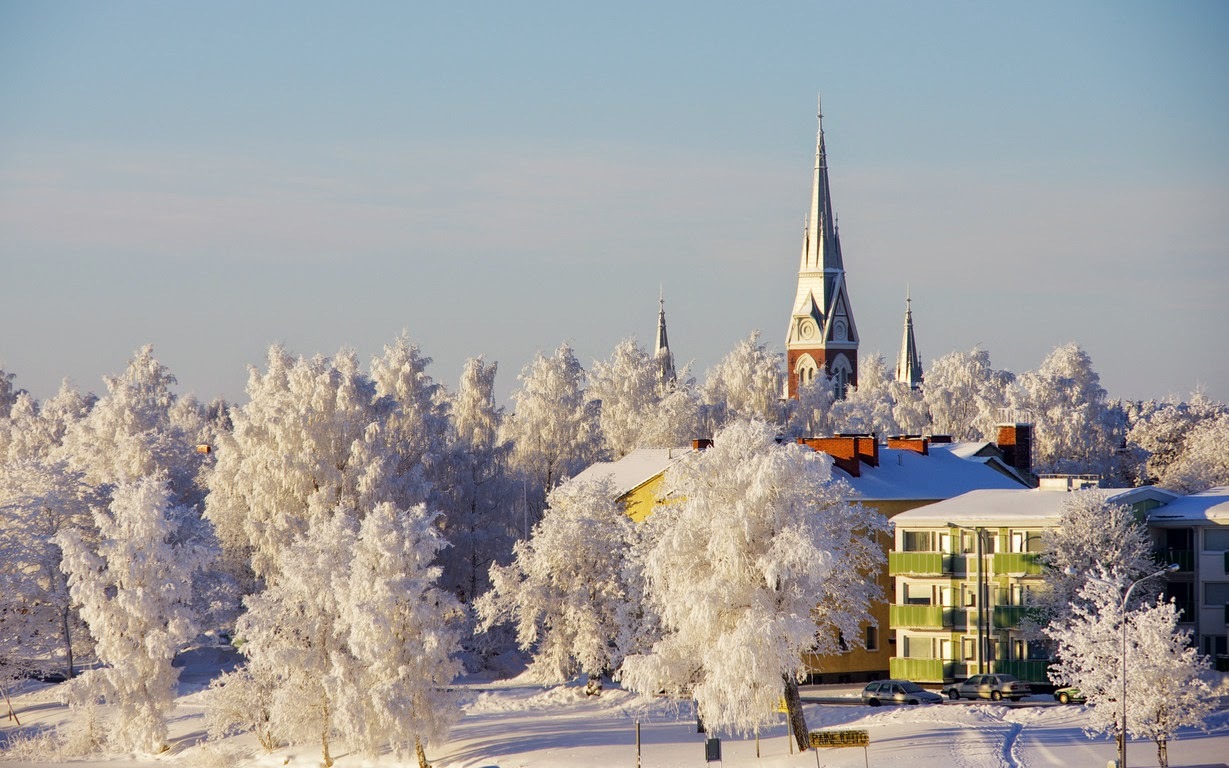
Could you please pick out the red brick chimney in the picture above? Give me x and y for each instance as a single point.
(847, 451)
(915, 443)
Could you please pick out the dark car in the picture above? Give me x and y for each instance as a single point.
(1069, 695)
(898, 692)
(995, 687)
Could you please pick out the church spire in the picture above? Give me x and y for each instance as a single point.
(909, 364)
(661, 351)
(822, 335)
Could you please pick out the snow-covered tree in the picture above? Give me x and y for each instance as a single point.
(8, 395)
(1093, 536)
(811, 414)
(554, 430)
(134, 589)
(909, 408)
(129, 433)
(1165, 685)
(1160, 431)
(757, 562)
(308, 442)
(1204, 460)
(565, 590)
(477, 495)
(38, 619)
(746, 384)
(639, 409)
(868, 407)
(964, 394)
(1073, 428)
(398, 628)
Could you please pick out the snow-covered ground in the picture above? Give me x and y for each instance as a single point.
(511, 724)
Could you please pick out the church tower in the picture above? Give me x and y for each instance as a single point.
(909, 364)
(822, 335)
(661, 351)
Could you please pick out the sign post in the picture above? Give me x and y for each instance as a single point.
(837, 739)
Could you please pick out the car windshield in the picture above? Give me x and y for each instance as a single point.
(912, 687)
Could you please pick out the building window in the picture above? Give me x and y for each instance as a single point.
(918, 541)
(1215, 645)
(1216, 593)
(919, 647)
(1216, 540)
(872, 637)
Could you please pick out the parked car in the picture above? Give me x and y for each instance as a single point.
(1069, 696)
(994, 687)
(898, 692)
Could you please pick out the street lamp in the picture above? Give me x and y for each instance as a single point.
(1122, 733)
(982, 590)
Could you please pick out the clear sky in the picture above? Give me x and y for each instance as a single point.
(495, 178)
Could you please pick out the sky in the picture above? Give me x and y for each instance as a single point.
(498, 178)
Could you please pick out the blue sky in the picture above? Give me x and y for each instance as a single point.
(496, 178)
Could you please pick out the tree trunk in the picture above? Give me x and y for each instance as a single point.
(324, 735)
(420, 753)
(66, 628)
(1162, 752)
(797, 720)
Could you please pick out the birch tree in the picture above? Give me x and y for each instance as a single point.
(757, 562)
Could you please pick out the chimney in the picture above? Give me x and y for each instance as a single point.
(915, 443)
(1015, 440)
(847, 451)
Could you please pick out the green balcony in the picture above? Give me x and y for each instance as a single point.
(1030, 671)
(1185, 558)
(926, 616)
(920, 670)
(918, 563)
(1009, 616)
(1026, 563)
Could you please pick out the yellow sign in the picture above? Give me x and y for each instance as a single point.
(856, 738)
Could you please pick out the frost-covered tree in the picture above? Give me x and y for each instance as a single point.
(413, 417)
(398, 628)
(1165, 685)
(554, 430)
(130, 433)
(1073, 428)
(477, 495)
(40, 499)
(868, 408)
(640, 409)
(1093, 536)
(909, 408)
(311, 440)
(134, 589)
(757, 562)
(353, 639)
(964, 394)
(1204, 460)
(746, 384)
(565, 590)
(811, 413)
(1160, 431)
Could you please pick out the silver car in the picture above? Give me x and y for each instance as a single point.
(898, 692)
(994, 687)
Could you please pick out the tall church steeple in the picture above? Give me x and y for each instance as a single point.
(909, 364)
(822, 335)
(661, 351)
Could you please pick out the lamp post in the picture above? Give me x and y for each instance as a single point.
(1122, 732)
(1122, 745)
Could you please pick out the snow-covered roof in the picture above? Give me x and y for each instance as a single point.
(993, 507)
(944, 473)
(635, 468)
(1210, 506)
(1037, 507)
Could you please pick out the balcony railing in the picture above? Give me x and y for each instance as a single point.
(926, 616)
(1009, 616)
(1185, 558)
(921, 670)
(1017, 562)
(1029, 671)
(919, 563)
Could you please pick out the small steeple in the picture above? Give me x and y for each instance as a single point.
(661, 352)
(909, 364)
